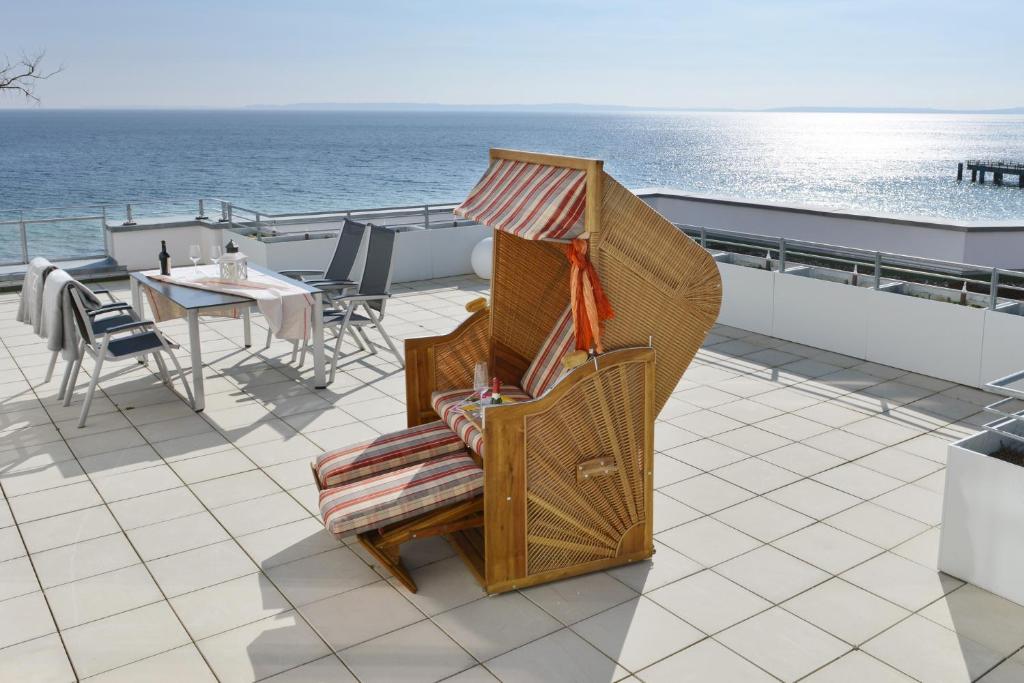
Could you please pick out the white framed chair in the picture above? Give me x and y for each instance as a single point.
(108, 342)
(53, 357)
(102, 318)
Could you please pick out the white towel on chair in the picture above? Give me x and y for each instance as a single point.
(59, 326)
(31, 303)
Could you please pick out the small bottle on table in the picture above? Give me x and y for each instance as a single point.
(165, 259)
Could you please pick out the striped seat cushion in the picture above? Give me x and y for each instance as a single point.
(546, 368)
(400, 494)
(384, 453)
(446, 405)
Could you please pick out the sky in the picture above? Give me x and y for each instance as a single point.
(746, 54)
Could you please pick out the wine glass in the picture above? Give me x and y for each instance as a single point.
(195, 253)
(216, 251)
(480, 381)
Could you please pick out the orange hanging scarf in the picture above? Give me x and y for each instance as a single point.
(590, 306)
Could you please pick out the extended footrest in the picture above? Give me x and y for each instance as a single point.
(414, 483)
(401, 494)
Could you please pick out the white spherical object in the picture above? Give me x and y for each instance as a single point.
(481, 258)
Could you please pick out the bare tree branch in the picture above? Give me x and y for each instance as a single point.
(21, 76)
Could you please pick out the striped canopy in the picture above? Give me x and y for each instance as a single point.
(532, 201)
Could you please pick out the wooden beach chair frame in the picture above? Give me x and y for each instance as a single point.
(568, 476)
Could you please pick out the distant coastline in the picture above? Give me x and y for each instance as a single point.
(570, 107)
(550, 108)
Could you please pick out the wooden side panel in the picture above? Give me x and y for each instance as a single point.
(542, 520)
(504, 500)
(443, 362)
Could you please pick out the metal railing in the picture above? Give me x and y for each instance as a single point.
(270, 225)
(776, 252)
(20, 251)
(76, 244)
(782, 254)
(1014, 166)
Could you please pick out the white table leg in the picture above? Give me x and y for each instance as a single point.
(137, 298)
(319, 376)
(197, 360)
(137, 307)
(247, 325)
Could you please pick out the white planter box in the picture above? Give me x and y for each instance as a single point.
(930, 337)
(747, 298)
(827, 315)
(982, 537)
(1001, 350)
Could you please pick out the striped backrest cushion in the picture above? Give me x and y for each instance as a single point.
(546, 368)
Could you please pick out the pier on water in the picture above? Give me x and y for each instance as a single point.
(998, 169)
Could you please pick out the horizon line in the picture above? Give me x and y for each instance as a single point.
(553, 107)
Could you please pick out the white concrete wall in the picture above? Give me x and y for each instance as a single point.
(971, 346)
(802, 303)
(990, 244)
(748, 298)
(1002, 346)
(419, 254)
(137, 249)
(437, 252)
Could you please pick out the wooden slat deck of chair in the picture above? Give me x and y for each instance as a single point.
(384, 543)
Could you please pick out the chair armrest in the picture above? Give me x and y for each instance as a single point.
(331, 285)
(445, 362)
(130, 326)
(297, 274)
(103, 290)
(357, 298)
(108, 308)
(579, 462)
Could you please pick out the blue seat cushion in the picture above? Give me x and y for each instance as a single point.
(134, 344)
(100, 326)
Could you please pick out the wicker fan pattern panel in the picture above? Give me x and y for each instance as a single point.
(571, 522)
(662, 285)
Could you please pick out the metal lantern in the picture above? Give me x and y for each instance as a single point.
(234, 265)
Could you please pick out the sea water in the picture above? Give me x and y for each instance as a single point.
(279, 161)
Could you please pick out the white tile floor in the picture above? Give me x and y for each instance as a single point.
(798, 499)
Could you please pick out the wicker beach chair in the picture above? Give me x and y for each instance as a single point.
(566, 471)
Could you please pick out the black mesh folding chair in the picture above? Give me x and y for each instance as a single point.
(355, 313)
(337, 279)
(108, 340)
(371, 298)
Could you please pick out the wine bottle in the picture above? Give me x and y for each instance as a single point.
(165, 259)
